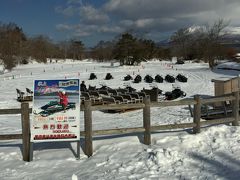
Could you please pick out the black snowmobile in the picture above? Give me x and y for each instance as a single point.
(53, 107)
(176, 93)
(127, 78)
(148, 79)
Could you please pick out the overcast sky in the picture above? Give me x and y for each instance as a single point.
(94, 20)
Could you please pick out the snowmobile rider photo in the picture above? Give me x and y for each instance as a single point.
(63, 99)
(83, 87)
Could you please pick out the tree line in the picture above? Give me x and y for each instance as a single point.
(17, 48)
(201, 43)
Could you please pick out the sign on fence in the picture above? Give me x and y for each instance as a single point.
(56, 110)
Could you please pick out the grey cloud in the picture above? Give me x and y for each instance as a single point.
(135, 9)
(153, 17)
(110, 29)
(68, 11)
(63, 27)
(91, 15)
(172, 12)
(82, 30)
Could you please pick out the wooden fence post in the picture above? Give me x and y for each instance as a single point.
(147, 121)
(27, 149)
(88, 128)
(197, 114)
(236, 109)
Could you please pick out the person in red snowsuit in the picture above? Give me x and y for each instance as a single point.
(63, 99)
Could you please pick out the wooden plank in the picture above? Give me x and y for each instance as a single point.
(10, 136)
(217, 121)
(235, 85)
(117, 106)
(173, 126)
(217, 99)
(88, 128)
(25, 131)
(12, 111)
(236, 109)
(118, 131)
(147, 121)
(197, 114)
(174, 103)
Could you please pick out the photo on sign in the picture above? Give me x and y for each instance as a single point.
(56, 110)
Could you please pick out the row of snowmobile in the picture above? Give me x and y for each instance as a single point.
(155, 91)
(157, 78)
(148, 79)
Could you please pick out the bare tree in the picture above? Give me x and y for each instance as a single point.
(211, 43)
(12, 39)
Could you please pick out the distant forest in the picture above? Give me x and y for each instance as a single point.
(202, 43)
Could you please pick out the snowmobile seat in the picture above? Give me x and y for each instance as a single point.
(91, 88)
(113, 91)
(119, 99)
(122, 91)
(103, 92)
(136, 96)
(108, 100)
(141, 94)
(128, 97)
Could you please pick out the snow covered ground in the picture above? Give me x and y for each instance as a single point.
(212, 154)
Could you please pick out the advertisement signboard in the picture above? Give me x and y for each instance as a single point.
(56, 110)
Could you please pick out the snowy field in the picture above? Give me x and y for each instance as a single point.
(212, 154)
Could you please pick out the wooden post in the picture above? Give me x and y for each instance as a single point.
(197, 114)
(88, 128)
(236, 109)
(147, 121)
(27, 146)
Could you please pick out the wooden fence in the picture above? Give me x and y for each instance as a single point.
(147, 128)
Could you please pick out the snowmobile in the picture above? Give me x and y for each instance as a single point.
(53, 107)
(127, 78)
(158, 78)
(137, 79)
(181, 78)
(148, 79)
(176, 93)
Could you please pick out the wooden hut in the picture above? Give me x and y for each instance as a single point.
(225, 85)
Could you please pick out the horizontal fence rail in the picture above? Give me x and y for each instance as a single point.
(12, 111)
(10, 136)
(217, 99)
(173, 126)
(174, 103)
(117, 106)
